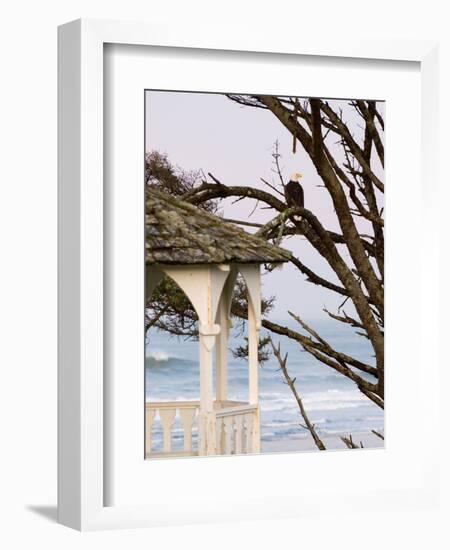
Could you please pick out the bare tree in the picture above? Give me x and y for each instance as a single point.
(356, 257)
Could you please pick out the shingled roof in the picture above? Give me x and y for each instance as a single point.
(179, 233)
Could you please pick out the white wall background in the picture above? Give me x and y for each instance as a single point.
(28, 271)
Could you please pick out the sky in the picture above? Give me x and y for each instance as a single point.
(233, 142)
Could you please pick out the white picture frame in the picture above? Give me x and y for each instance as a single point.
(81, 480)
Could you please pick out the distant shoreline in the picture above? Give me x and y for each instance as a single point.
(331, 442)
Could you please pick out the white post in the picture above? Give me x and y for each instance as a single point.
(253, 375)
(223, 320)
(253, 281)
(253, 338)
(203, 286)
(221, 354)
(206, 417)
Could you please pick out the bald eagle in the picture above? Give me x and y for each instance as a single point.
(293, 192)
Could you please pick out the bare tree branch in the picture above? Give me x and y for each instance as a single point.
(350, 443)
(291, 383)
(381, 436)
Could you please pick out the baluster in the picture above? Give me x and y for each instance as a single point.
(195, 424)
(239, 421)
(149, 417)
(228, 425)
(167, 416)
(256, 436)
(219, 435)
(186, 417)
(248, 432)
(244, 434)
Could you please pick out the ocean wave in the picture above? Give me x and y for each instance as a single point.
(283, 424)
(334, 400)
(328, 400)
(161, 356)
(165, 358)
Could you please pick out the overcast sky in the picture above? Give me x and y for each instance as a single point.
(234, 143)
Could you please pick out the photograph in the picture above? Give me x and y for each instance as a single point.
(264, 259)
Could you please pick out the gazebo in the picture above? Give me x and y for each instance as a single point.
(204, 255)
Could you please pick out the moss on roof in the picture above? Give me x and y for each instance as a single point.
(179, 233)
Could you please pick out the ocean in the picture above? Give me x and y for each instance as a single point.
(333, 402)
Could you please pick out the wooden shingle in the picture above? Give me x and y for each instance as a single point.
(179, 233)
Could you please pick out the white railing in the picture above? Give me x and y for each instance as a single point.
(237, 426)
(168, 412)
(237, 430)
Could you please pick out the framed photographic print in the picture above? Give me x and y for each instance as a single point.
(228, 220)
